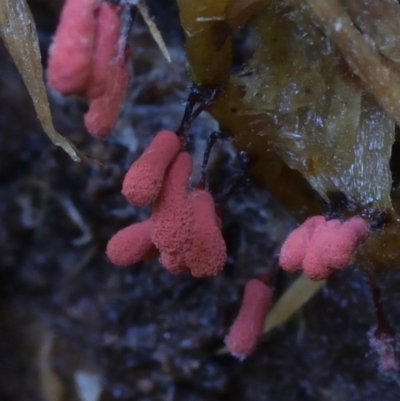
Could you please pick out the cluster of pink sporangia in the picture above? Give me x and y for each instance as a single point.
(321, 246)
(87, 58)
(183, 227)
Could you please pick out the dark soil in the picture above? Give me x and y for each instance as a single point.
(67, 313)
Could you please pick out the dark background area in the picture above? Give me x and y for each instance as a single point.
(67, 316)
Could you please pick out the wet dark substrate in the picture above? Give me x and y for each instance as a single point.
(143, 333)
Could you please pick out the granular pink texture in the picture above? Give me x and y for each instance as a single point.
(358, 227)
(174, 263)
(333, 246)
(295, 247)
(173, 213)
(184, 226)
(104, 110)
(108, 32)
(70, 58)
(316, 263)
(144, 179)
(319, 247)
(207, 254)
(131, 244)
(249, 324)
(173, 224)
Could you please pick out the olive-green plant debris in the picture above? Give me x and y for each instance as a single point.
(315, 109)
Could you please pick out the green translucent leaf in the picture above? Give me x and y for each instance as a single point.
(322, 125)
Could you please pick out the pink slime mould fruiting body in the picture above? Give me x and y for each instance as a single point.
(108, 32)
(104, 110)
(87, 58)
(144, 179)
(131, 244)
(249, 324)
(70, 59)
(183, 226)
(333, 246)
(173, 224)
(321, 248)
(207, 254)
(295, 247)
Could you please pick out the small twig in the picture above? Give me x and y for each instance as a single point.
(211, 140)
(76, 218)
(237, 177)
(50, 384)
(201, 96)
(67, 206)
(82, 262)
(144, 11)
(383, 338)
